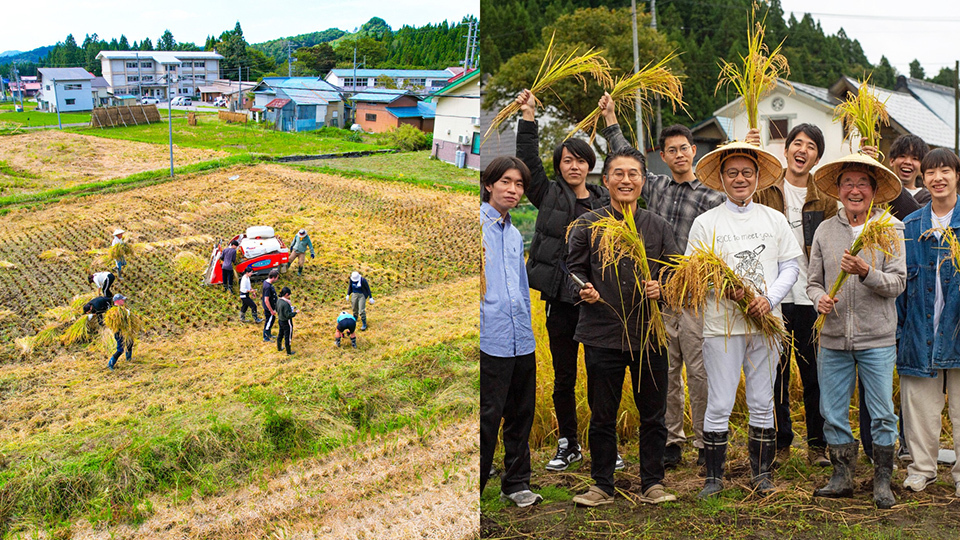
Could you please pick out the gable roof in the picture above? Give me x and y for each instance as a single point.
(161, 57)
(99, 82)
(388, 96)
(65, 74)
(938, 98)
(303, 90)
(453, 85)
(277, 104)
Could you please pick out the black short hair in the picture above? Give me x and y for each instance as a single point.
(940, 157)
(676, 130)
(284, 291)
(499, 167)
(629, 152)
(577, 147)
(909, 145)
(248, 269)
(88, 307)
(234, 243)
(809, 130)
(273, 274)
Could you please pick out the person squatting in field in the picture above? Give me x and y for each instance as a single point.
(103, 281)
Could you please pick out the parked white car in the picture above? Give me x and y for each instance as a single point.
(220, 102)
(149, 100)
(181, 101)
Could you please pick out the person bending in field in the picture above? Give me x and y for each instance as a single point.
(285, 314)
(346, 327)
(97, 307)
(358, 292)
(508, 363)
(269, 301)
(246, 289)
(559, 202)
(298, 247)
(228, 256)
(103, 281)
(118, 239)
(612, 344)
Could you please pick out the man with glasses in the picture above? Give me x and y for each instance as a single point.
(679, 200)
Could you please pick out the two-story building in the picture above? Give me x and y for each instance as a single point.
(421, 81)
(64, 89)
(456, 131)
(147, 73)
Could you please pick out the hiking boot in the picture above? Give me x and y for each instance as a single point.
(655, 494)
(672, 456)
(882, 471)
(620, 465)
(243, 317)
(337, 342)
(762, 443)
(353, 343)
(918, 482)
(300, 271)
(593, 497)
(111, 362)
(714, 454)
(566, 455)
(843, 457)
(522, 499)
(363, 320)
(257, 319)
(817, 456)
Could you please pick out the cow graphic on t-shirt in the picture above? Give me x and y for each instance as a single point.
(750, 269)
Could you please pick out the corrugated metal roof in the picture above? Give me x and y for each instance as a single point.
(99, 82)
(371, 97)
(277, 103)
(304, 83)
(422, 110)
(402, 73)
(306, 97)
(65, 74)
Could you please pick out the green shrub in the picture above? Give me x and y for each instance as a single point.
(407, 138)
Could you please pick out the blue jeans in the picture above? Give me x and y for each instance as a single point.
(837, 371)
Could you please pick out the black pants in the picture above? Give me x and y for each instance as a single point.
(507, 391)
(285, 331)
(562, 321)
(227, 279)
(246, 302)
(604, 388)
(268, 319)
(799, 320)
(105, 290)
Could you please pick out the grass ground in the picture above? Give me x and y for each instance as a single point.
(30, 118)
(211, 134)
(791, 512)
(206, 416)
(416, 166)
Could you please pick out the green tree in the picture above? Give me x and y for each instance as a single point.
(884, 75)
(369, 50)
(385, 81)
(375, 28)
(916, 70)
(166, 42)
(945, 77)
(146, 45)
(123, 45)
(318, 59)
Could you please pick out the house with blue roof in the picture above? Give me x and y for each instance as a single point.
(382, 110)
(298, 103)
(420, 81)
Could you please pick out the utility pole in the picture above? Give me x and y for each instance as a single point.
(139, 78)
(56, 98)
(169, 123)
(466, 58)
(653, 24)
(354, 65)
(638, 106)
(239, 87)
(289, 61)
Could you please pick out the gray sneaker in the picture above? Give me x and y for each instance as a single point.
(566, 455)
(918, 482)
(522, 498)
(620, 464)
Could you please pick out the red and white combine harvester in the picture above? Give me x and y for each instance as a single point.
(259, 249)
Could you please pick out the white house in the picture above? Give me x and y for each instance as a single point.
(65, 89)
(146, 73)
(456, 129)
(418, 80)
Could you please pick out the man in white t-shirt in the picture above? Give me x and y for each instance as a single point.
(797, 197)
(756, 242)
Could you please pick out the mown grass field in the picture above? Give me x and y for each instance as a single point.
(792, 512)
(407, 166)
(29, 118)
(207, 416)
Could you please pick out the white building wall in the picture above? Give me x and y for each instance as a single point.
(58, 95)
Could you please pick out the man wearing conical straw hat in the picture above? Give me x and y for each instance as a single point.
(858, 336)
(757, 243)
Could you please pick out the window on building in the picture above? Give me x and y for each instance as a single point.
(416, 82)
(132, 78)
(184, 90)
(335, 114)
(70, 101)
(200, 77)
(146, 65)
(171, 67)
(347, 81)
(72, 86)
(779, 127)
(48, 88)
(371, 117)
(186, 64)
(199, 64)
(132, 65)
(439, 83)
(147, 78)
(475, 147)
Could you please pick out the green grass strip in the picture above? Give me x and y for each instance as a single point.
(366, 175)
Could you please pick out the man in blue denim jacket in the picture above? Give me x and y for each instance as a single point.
(928, 314)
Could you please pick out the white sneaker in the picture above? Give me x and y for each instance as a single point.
(918, 482)
(620, 463)
(565, 456)
(957, 494)
(523, 498)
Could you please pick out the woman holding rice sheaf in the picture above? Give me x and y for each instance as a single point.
(859, 321)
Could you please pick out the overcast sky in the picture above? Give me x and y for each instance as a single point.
(27, 26)
(901, 30)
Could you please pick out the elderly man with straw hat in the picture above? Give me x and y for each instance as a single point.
(860, 320)
(757, 243)
(118, 239)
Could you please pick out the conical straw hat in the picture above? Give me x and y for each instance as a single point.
(888, 185)
(769, 167)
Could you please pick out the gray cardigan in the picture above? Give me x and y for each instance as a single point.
(865, 317)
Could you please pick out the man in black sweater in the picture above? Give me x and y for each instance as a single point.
(269, 301)
(285, 315)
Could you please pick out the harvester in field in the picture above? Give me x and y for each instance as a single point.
(260, 249)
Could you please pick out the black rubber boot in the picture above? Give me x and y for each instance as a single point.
(882, 470)
(715, 454)
(364, 319)
(762, 443)
(843, 457)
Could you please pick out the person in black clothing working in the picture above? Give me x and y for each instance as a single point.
(103, 281)
(269, 301)
(285, 314)
(97, 307)
(228, 256)
(346, 326)
(559, 202)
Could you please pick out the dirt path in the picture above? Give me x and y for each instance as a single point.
(393, 487)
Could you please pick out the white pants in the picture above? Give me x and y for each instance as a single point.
(921, 401)
(724, 358)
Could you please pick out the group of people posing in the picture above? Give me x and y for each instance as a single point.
(787, 233)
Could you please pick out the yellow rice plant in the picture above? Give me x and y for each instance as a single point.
(47, 336)
(25, 344)
(865, 113)
(756, 76)
(120, 251)
(653, 80)
(189, 262)
(6, 315)
(60, 314)
(696, 275)
(878, 234)
(55, 253)
(80, 331)
(7, 265)
(121, 319)
(78, 301)
(618, 239)
(555, 68)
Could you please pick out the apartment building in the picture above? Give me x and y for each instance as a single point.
(146, 73)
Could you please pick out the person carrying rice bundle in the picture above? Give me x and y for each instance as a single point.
(120, 260)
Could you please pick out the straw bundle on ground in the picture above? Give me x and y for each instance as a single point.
(879, 234)
(47, 336)
(556, 68)
(696, 275)
(758, 74)
(7, 265)
(864, 113)
(55, 253)
(121, 319)
(80, 300)
(653, 80)
(25, 344)
(80, 331)
(616, 240)
(60, 313)
(187, 261)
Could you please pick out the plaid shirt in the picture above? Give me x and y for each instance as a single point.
(678, 203)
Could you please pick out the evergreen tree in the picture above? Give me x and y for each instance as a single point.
(123, 44)
(166, 42)
(884, 75)
(916, 70)
(945, 77)
(146, 45)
